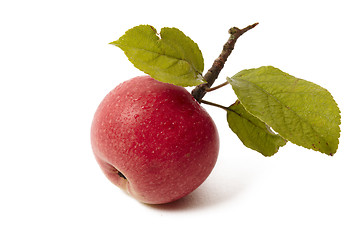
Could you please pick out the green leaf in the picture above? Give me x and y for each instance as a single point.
(253, 132)
(170, 57)
(300, 111)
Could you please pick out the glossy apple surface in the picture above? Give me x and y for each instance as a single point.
(154, 140)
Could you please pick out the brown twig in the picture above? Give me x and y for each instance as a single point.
(213, 73)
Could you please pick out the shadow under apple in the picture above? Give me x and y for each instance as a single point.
(221, 186)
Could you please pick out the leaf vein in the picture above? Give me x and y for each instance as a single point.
(283, 109)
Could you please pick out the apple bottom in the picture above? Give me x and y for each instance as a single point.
(164, 184)
(113, 175)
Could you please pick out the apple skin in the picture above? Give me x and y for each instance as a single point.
(154, 140)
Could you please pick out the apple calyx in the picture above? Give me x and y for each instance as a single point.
(121, 175)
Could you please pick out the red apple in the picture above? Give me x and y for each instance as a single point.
(154, 140)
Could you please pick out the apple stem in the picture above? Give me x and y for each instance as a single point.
(213, 73)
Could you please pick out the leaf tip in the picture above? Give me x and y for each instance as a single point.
(114, 43)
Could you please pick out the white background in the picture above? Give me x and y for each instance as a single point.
(56, 66)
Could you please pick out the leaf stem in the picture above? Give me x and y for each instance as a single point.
(217, 87)
(220, 106)
(213, 73)
(215, 105)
